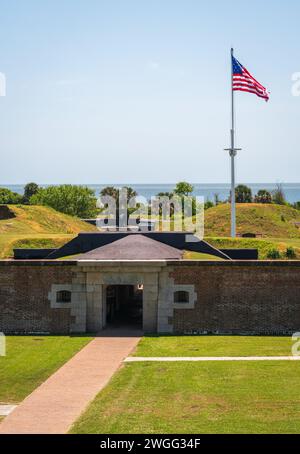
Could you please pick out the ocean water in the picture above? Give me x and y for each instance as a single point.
(291, 190)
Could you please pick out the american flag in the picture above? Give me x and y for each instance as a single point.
(243, 81)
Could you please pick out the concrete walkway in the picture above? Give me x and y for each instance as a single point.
(58, 402)
(133, 359)
(6, 409)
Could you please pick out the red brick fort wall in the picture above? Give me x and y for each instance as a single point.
(24, 304)
(237, 297)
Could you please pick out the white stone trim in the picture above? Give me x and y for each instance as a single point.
(99, 275)
(52, 296)
(165, 310)
(192, 296)
(134, 359)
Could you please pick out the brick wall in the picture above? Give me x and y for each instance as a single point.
(237, 297)
(24, 304)
(232, 297)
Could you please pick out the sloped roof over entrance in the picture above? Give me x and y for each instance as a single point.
(134, 247)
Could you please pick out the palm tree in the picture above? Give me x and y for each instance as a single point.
(114, 192)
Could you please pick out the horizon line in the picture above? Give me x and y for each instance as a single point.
(151, 184)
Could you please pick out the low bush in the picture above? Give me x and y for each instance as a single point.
(70, 199)
(290, 252)
(9, 197)
(273, 254)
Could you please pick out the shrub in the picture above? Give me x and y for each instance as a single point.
(278, 195)
(29, 190)
(9, 197)
(208, 204)
(69, 199)
(243, 194)
(263, 196)
(217, 200)
(296, 205)
(273, 254)
(290, 252)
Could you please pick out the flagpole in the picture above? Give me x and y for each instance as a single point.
(232, 153)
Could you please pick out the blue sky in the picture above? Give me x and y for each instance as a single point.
(139, 91)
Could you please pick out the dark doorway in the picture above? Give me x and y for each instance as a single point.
(124, 305)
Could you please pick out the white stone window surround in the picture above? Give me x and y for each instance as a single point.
(190, 289)
(53, 294)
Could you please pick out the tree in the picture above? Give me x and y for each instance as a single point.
(243, 194)
(9, 197)
(165, 194)
(69, 199)
(110, 191)
(278, 195)
(29, 190)
(131, 193)
(168, 195)
(183, 188)
(263, 196)
(208, 204)
(113, 192)
(217, 200)
(296, 205)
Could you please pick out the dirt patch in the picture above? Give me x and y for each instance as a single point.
(6, 213)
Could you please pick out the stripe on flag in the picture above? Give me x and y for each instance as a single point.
(243, 81)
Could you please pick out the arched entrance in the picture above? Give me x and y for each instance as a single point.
(124, 305)
(148, 283)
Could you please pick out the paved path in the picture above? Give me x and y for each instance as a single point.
(133, 359)
(6, 409)
(58, 402)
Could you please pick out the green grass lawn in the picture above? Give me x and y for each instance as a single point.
(190, 255)
(214, 346)
(30, 360)
(215, 397)
(9, 241)
(278, 221)
(263, 245)
(27, 226)
(23, 219)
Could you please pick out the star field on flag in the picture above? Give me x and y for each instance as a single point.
(243, 81)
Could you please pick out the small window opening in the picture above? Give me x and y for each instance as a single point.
(63, 296)
(181, 296)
